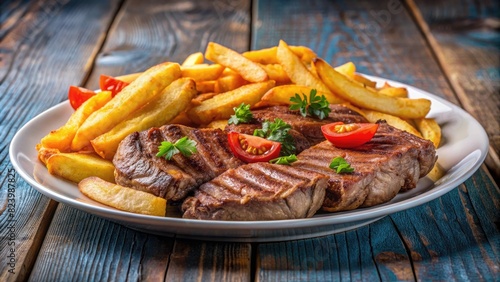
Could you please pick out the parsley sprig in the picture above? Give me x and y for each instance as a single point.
(284, 160)
(242, 114)
(278, 131)
(340, 165)
(185, 146)
(316, 107)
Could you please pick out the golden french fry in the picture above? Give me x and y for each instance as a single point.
(400, 92)
(348, 69)
(276, 73)
(228, 83)
(61, 138)
(296, 70)
(129, 77)
(122, 198)
(363, 98)
(282, 94)
(267, 56)
(430, 130)
(374, 116)
(220, 124)
(249, 70)
(182, 118)
(202, 97)
(206, 86)
(45, 153)
(364, 80)
(436, 173)
(221, 106)
(134, 96)
(202, 72)
(174, 99)
(77, 166)
(193, 59)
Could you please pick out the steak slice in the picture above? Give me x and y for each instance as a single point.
(391, 162)
(137, 166)
(306, 131)
(258, 191)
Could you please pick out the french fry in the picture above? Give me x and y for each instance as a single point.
(392, 91)
(364, 80)
(400, 92)
(348, 69)
(206, 86)
(129, 77)
(134, 96)
(430, 130)
(267, 56)
(61, 138)
(228, 83)
(276, 73)
(202, 72)
(374, 116)
(122, 198)
(282, 94)
(174, 99)
(249, 70)
(45, 153)
(296, 70)
(436, 173)
(193, 59)
(220, 124)
(202, 97)
(221, 106)
(77, 166)
(183, 119)
(363, 98)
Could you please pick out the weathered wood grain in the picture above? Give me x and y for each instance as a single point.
(145, 33)
(209, 261)
(465, 37)
(98, 250)
(149, 32)
(382, 39)
(34, 77)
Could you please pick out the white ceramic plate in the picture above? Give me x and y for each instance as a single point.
(464, 148)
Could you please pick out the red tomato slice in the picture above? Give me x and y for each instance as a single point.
(349, 135)
(78, 95)
(109, 83)
(253, 149)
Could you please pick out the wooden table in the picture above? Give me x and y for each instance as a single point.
(448, 49)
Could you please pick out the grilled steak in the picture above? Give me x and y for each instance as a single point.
(392, 161)
(306, 131)
(137, 166)
(258, 191)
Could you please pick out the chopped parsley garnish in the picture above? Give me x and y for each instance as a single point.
(185, 146)
(278, 131)
(340, 165)
(285, 160)
(242, 114)
(316, 107)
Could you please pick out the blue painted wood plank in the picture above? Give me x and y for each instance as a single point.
(40, 56)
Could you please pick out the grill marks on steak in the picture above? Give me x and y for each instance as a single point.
(137, 166)
(258, 191)
(391, 162)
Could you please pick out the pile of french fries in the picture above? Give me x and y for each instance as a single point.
(202, 94)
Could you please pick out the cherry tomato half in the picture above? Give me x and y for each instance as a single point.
(253, 149)
(349, 135)
(109, 83)
(78, 95)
